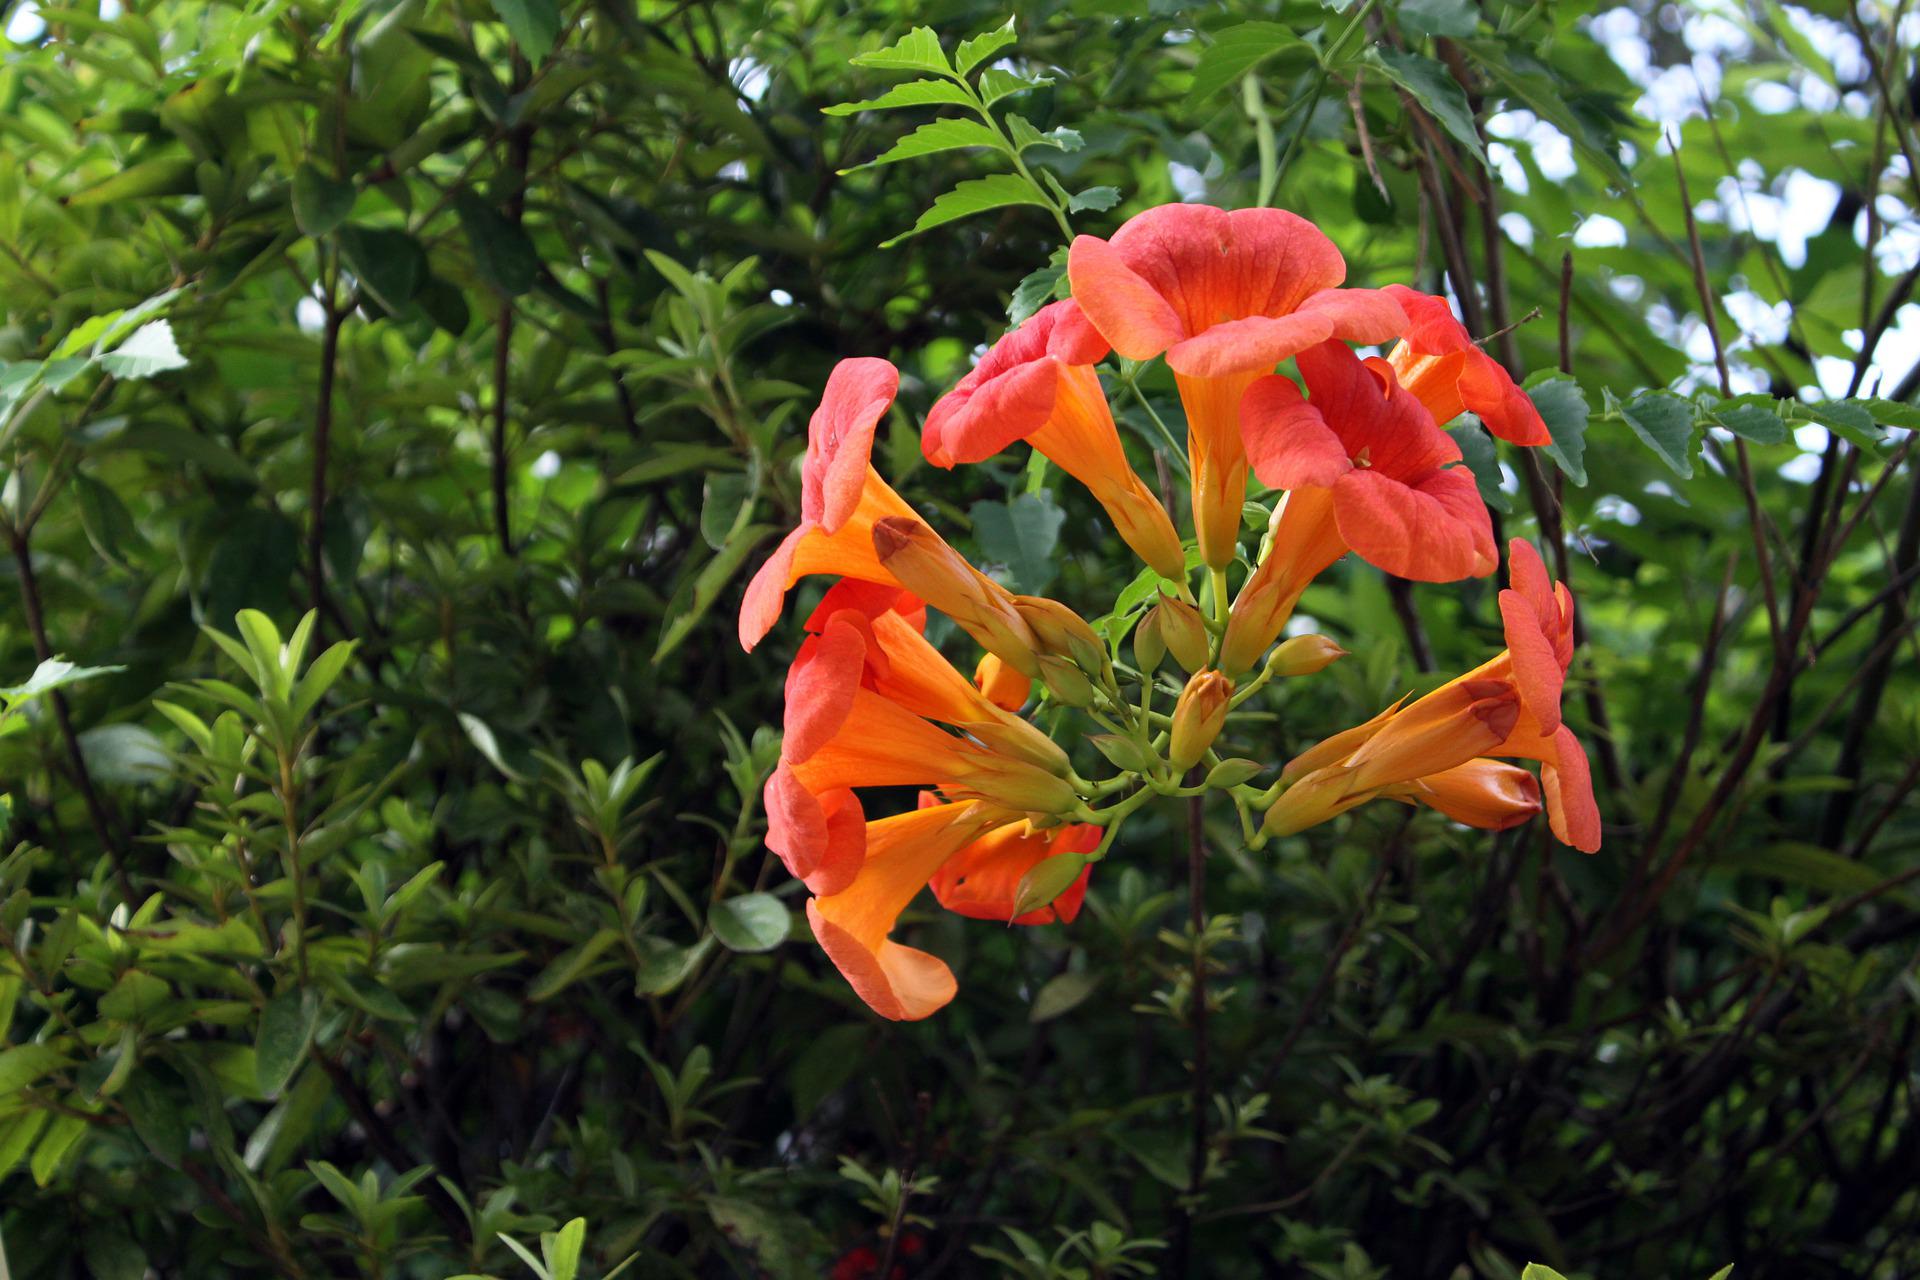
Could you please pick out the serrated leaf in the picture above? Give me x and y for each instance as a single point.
(976, 195)
(972, 53)
(1750, 417)
(918, 50)
(150, 350)
(1099, 199)
(914, 93)
(1025, 136)
(995, 83)
(1038, 289)
(751, 922)
(1238, 50)
(1849, 419)
(1894, 413)
(1435, 90)
(932, 137)
(1665, 422)
(1563, 407)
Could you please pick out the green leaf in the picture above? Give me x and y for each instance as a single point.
(1799, 863)
(1238, 50)
(914, 93)
(170, 177)
(150, 350)
(17, 1134)
(995, 84)
(125, 755)
(61, 1137)
(389, 264)
(320, 203)
(706, 587)
(533, 24)
(1894, 413)
(1539, 1271)
(1849, 419)
(563, 1251)
(751, 922)
(1038, 288)
(664, 966)
(486, 744)
(918, 50)
(54, 673)
(972, 53)
(936, 136)
(286, 1029)
(503, 255)
(1062, 992)
(109, 526)
(1435, 90)
(23, 1064)
(1422, 18)
(134, 996)
(1025, 137)
(1563, 407)
(1483, 460)
(976, 195)
(1752, 418)
(1099, 199)
(831, 1058)
(212, 454)
(1665, 422)
(571, 965)
(1021, 535)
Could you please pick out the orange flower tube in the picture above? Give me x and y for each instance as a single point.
(1507, 708)
(1038, 384)
(1226, 297)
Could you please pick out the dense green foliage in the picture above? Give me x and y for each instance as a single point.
(480, 335)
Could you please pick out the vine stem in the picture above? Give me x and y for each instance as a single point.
(1197, 1003)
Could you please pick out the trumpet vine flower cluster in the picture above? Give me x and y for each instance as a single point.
(1006, 828)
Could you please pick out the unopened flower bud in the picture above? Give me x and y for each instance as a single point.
(1016, 785)
(1047, 880)
(1123, 752)
(1149, 644)
(1198, 717)
(1003, 686)
(924, 564)
(1321, 795)
(1233, 772)
(1065, 681)
(1304, 655)
(1185, 633)
(1012, 736)
(1063, 632)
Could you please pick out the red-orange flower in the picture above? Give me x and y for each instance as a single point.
(1439, 363)
(1038, 384)
(1225, 296)
(1368, 470)
(1507, 708)
(862, 698)
(841, 496)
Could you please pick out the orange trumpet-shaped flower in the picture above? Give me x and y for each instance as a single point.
(841, 496)
(1038, 384)
(1506, 708)
(983, 879)
(1439, 363)
(900, 855)
(1226, 296)
(861, 698)
(1368, 470)
(1003, 686)
(974, 856)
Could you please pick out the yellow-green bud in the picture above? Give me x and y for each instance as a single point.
(1149, 645)
(1304, 655)
(1065, 681)
(1185, 633)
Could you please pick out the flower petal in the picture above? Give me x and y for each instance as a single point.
(820, 687)
(1568, 783)
(1287, 441)
(1128, 312)
(840, 439)
(1435, 531)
